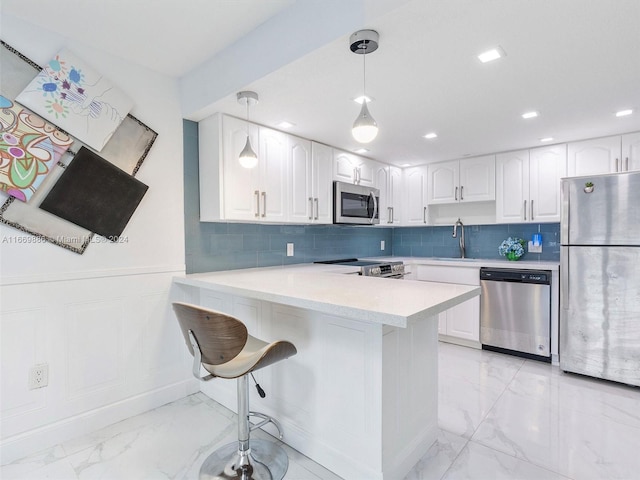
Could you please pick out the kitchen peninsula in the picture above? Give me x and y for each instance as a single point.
(361, 395)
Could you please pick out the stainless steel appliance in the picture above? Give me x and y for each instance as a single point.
(372, 268)
(355, 204)
(600, 277)
(515, 312)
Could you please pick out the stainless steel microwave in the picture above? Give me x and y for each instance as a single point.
(355, 204)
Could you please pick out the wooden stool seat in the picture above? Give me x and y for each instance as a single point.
(222, 346)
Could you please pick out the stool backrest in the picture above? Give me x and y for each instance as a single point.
(220, 337)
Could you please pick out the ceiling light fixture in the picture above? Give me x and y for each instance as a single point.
(248, 158)
(624, 113)
(361, 150)
(286, 124)
(431, 135)
(491, 55)
(362, 98)
(546, 139)
(363, 42)
(530, 115)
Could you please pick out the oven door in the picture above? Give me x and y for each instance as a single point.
(355, 204)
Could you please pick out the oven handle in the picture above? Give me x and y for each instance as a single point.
(375, 206)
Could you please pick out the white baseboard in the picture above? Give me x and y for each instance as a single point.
(28, 443)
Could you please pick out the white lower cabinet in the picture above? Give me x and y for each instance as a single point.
(459, 324)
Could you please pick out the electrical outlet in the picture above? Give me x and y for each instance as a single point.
(39, 376)
(289, 249)
(381, 244)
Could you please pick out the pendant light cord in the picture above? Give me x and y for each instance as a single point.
(364, 73)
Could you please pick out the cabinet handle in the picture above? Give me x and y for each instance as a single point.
(310, 208)
(525, 209)
(456, 194)
(264, 204)
(389, 214)
(424, 215)
(531, 209)
(358, 174)
(617, 165)
(626, 164)
(257, 194)
(392, 215)
(462, 193)
(317, 209)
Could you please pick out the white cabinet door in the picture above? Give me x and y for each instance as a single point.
(301, 204)
(345, 167)
(322, 182)
(241, 185)
(468, 180)
(444, 182)
(631, 151)
(415, 203)
(478, 179)
(547, 165)
(463, 320)
(395, 194)
(512, 186)
(593, 157)
(382, 183)
(272, 164)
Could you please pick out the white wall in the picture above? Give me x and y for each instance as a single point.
(101, 320)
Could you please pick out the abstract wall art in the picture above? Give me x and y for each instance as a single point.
(29, 149)
(95, 195)
(127, 149)
(71, 94)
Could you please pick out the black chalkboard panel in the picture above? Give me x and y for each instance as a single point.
(95, 194)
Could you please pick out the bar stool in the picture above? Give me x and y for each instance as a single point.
(221, 345)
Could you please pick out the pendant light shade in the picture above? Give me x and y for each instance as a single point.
(365, 128)
(362, 42)
(248, 157)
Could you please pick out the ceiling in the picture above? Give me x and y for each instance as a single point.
(576, 62)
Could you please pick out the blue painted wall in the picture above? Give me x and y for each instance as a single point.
(223, 246)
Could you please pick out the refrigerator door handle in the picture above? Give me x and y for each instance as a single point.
(564, 279)
(564, 213)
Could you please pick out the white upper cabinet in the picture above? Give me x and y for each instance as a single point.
(310, 167)
(352, 168)
(631, 151)
(388, 180)
(528, 184)
(467, 180)
(415, 202)
(593, 157)
(228, 191)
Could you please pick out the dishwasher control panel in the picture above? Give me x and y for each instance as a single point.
(515, 275)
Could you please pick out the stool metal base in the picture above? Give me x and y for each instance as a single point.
(264, 461)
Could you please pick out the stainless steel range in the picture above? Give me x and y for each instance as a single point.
(371, 268)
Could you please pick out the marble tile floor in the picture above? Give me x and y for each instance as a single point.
(501, 417)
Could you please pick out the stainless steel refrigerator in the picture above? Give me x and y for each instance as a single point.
(600, 277)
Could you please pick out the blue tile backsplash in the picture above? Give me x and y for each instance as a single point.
(224, 246)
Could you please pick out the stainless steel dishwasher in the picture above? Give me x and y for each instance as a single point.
(515, 312)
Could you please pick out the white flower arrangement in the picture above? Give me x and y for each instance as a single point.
(513, 246)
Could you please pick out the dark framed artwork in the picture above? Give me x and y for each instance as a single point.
(127, 149)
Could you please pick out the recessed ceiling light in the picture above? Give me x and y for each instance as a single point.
(546, 139)
(624, 113)
(530, 115)
(406, 165)
(286, 124)
(361, 150)
(361, 98)
(431, 135)
(490, 55)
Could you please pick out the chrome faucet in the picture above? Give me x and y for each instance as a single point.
(455, 234)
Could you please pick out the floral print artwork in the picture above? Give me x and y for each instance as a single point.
(76, 98)
(29, 148)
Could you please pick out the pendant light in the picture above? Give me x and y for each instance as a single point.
(248, 158)
(363, 42)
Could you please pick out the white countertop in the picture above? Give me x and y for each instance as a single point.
(473, 262)
(330, 289)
